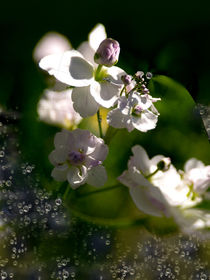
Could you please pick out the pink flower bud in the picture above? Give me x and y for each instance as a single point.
(107, 53)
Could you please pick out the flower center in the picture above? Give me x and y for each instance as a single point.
(137, 110)
(76, 158)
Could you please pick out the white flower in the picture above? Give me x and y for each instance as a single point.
(51, 43)
(144, 175)
(57, 108)
(197, 175)
(78, 158)
(77, 69)
(135, 111)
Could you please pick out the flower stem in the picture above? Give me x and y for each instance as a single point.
(110, 133)
(97, 73)
(99, 191)
(66, 192)
(99, 124)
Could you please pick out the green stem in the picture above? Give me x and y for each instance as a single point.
(66, 192)
(110, 222)
(99, 191)
(99, 124)
(98, 70)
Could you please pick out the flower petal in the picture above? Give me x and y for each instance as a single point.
(140, 160)
(193, 163)
(58, 156)
(69, 67)
(59, 173)
(97, 176)
(114, 75)
(88, 52)
(150, 200)
(145, 122)
(116, 119)
(77, 176)
(83, 102)
(105, 93)
(96, 36)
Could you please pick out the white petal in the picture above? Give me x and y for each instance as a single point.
(59, 173)
(104, 93)
(88, 52)
(69, 67)
(193, 163)
(114, 74)
(96, 36)
(58, 156)
(77, 176)
(97, 176)
(115, 118)
(62, 139)
(83, 102)
(126, 179)
(149, 200)
(145, 122)
(140, 160)
(101, 150)
(51, 43)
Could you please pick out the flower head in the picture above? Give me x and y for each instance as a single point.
(107, 53)
(135, 111)
(78, 69)
(57, 108)
(78, 158)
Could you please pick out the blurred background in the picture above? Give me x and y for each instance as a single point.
(167, 38)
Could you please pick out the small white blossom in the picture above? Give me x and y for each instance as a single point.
(78, 69)
(78, 158)
(135, 111)
(51, 43)
(56, 108)
(197, 175)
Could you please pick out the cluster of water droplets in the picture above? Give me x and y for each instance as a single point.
(40, 239)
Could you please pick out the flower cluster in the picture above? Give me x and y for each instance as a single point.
(87, 79)
(158, 189)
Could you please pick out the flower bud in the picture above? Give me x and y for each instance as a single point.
(164, 164)
(126, 79)
(107, 53)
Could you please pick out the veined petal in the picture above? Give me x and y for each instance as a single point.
(145, 122)
(150, 200)
(69, 67)
(105, 93)
(77, 176)
(115, 118)
(97, 176)
(83, 102)
(59, 173)
(96, 36)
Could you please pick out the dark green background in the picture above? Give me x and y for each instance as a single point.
(167, 37)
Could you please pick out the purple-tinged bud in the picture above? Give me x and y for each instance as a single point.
(107, 53)
(139, 74)
(126, 79)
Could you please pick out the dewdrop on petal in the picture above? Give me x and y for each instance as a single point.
(107, 53)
